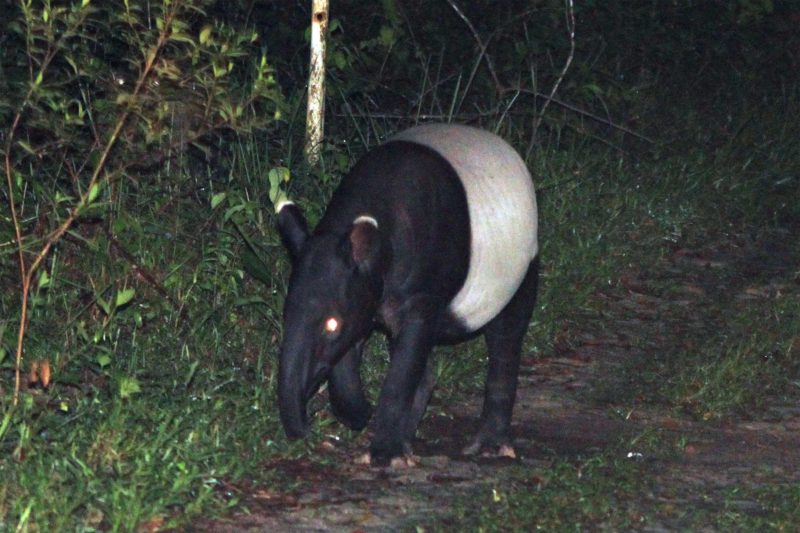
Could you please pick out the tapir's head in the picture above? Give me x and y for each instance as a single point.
(334, 291)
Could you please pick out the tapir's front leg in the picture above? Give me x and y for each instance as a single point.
(418, 407)
(346, 392)
(410, 349)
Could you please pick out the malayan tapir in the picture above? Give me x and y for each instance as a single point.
(432, 238)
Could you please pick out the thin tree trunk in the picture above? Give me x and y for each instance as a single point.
(315, 115)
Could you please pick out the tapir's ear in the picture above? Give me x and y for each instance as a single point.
(293, 228)
(365, 243)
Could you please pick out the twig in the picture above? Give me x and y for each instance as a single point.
(481, 44)
(570, 16)
(26, 275)
(465, 117)
(589, 114)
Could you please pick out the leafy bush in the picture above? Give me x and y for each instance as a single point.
(98, 96)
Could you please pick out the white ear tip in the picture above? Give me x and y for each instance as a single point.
(366, 218)
(281, 204)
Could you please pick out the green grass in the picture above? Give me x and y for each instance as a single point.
(609, 492)
(779, 504)
(587, 494)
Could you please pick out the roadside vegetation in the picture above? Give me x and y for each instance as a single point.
(140, 146)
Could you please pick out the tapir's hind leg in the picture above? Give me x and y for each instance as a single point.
(346, 392)
(504, 336)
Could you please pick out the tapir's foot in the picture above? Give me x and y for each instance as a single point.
(363, 459)
(490, 447)
(404, 461)
(383, 450)
(399, 462)
(506, 451)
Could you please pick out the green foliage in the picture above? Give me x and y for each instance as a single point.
(98, 90)
(101, 96)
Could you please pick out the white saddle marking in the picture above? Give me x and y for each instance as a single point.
(502, 215)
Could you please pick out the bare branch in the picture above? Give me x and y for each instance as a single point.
(570, 16)
(481, 44)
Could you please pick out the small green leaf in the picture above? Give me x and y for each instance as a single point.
(205, 33)
(232, 210)
(27, 147)
(104, 306)
(181, 37)
(128, 387)
(39, 78)
(124, 296)
(93, 192)
(44, 279)
(103, 360)
(218, 199)
(276, 176)
(339, 59)
(218, 70)
(387, 36)
(72, 64)
(85, 3)
(191, 373)
(594, 89)
(256, 267)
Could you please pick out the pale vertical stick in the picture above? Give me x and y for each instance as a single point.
(315, 115)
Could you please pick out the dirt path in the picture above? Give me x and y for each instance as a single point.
(567, 407)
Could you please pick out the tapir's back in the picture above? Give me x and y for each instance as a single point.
(502, 211)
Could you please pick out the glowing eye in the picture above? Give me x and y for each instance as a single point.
(331, 325)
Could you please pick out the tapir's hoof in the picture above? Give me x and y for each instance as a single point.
(404, 461)
(400, 462)
(363, 459)
(504, 450)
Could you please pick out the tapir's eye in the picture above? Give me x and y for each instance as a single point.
(331, 325)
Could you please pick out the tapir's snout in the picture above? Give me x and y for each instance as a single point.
(296, 424)
(299, 378)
